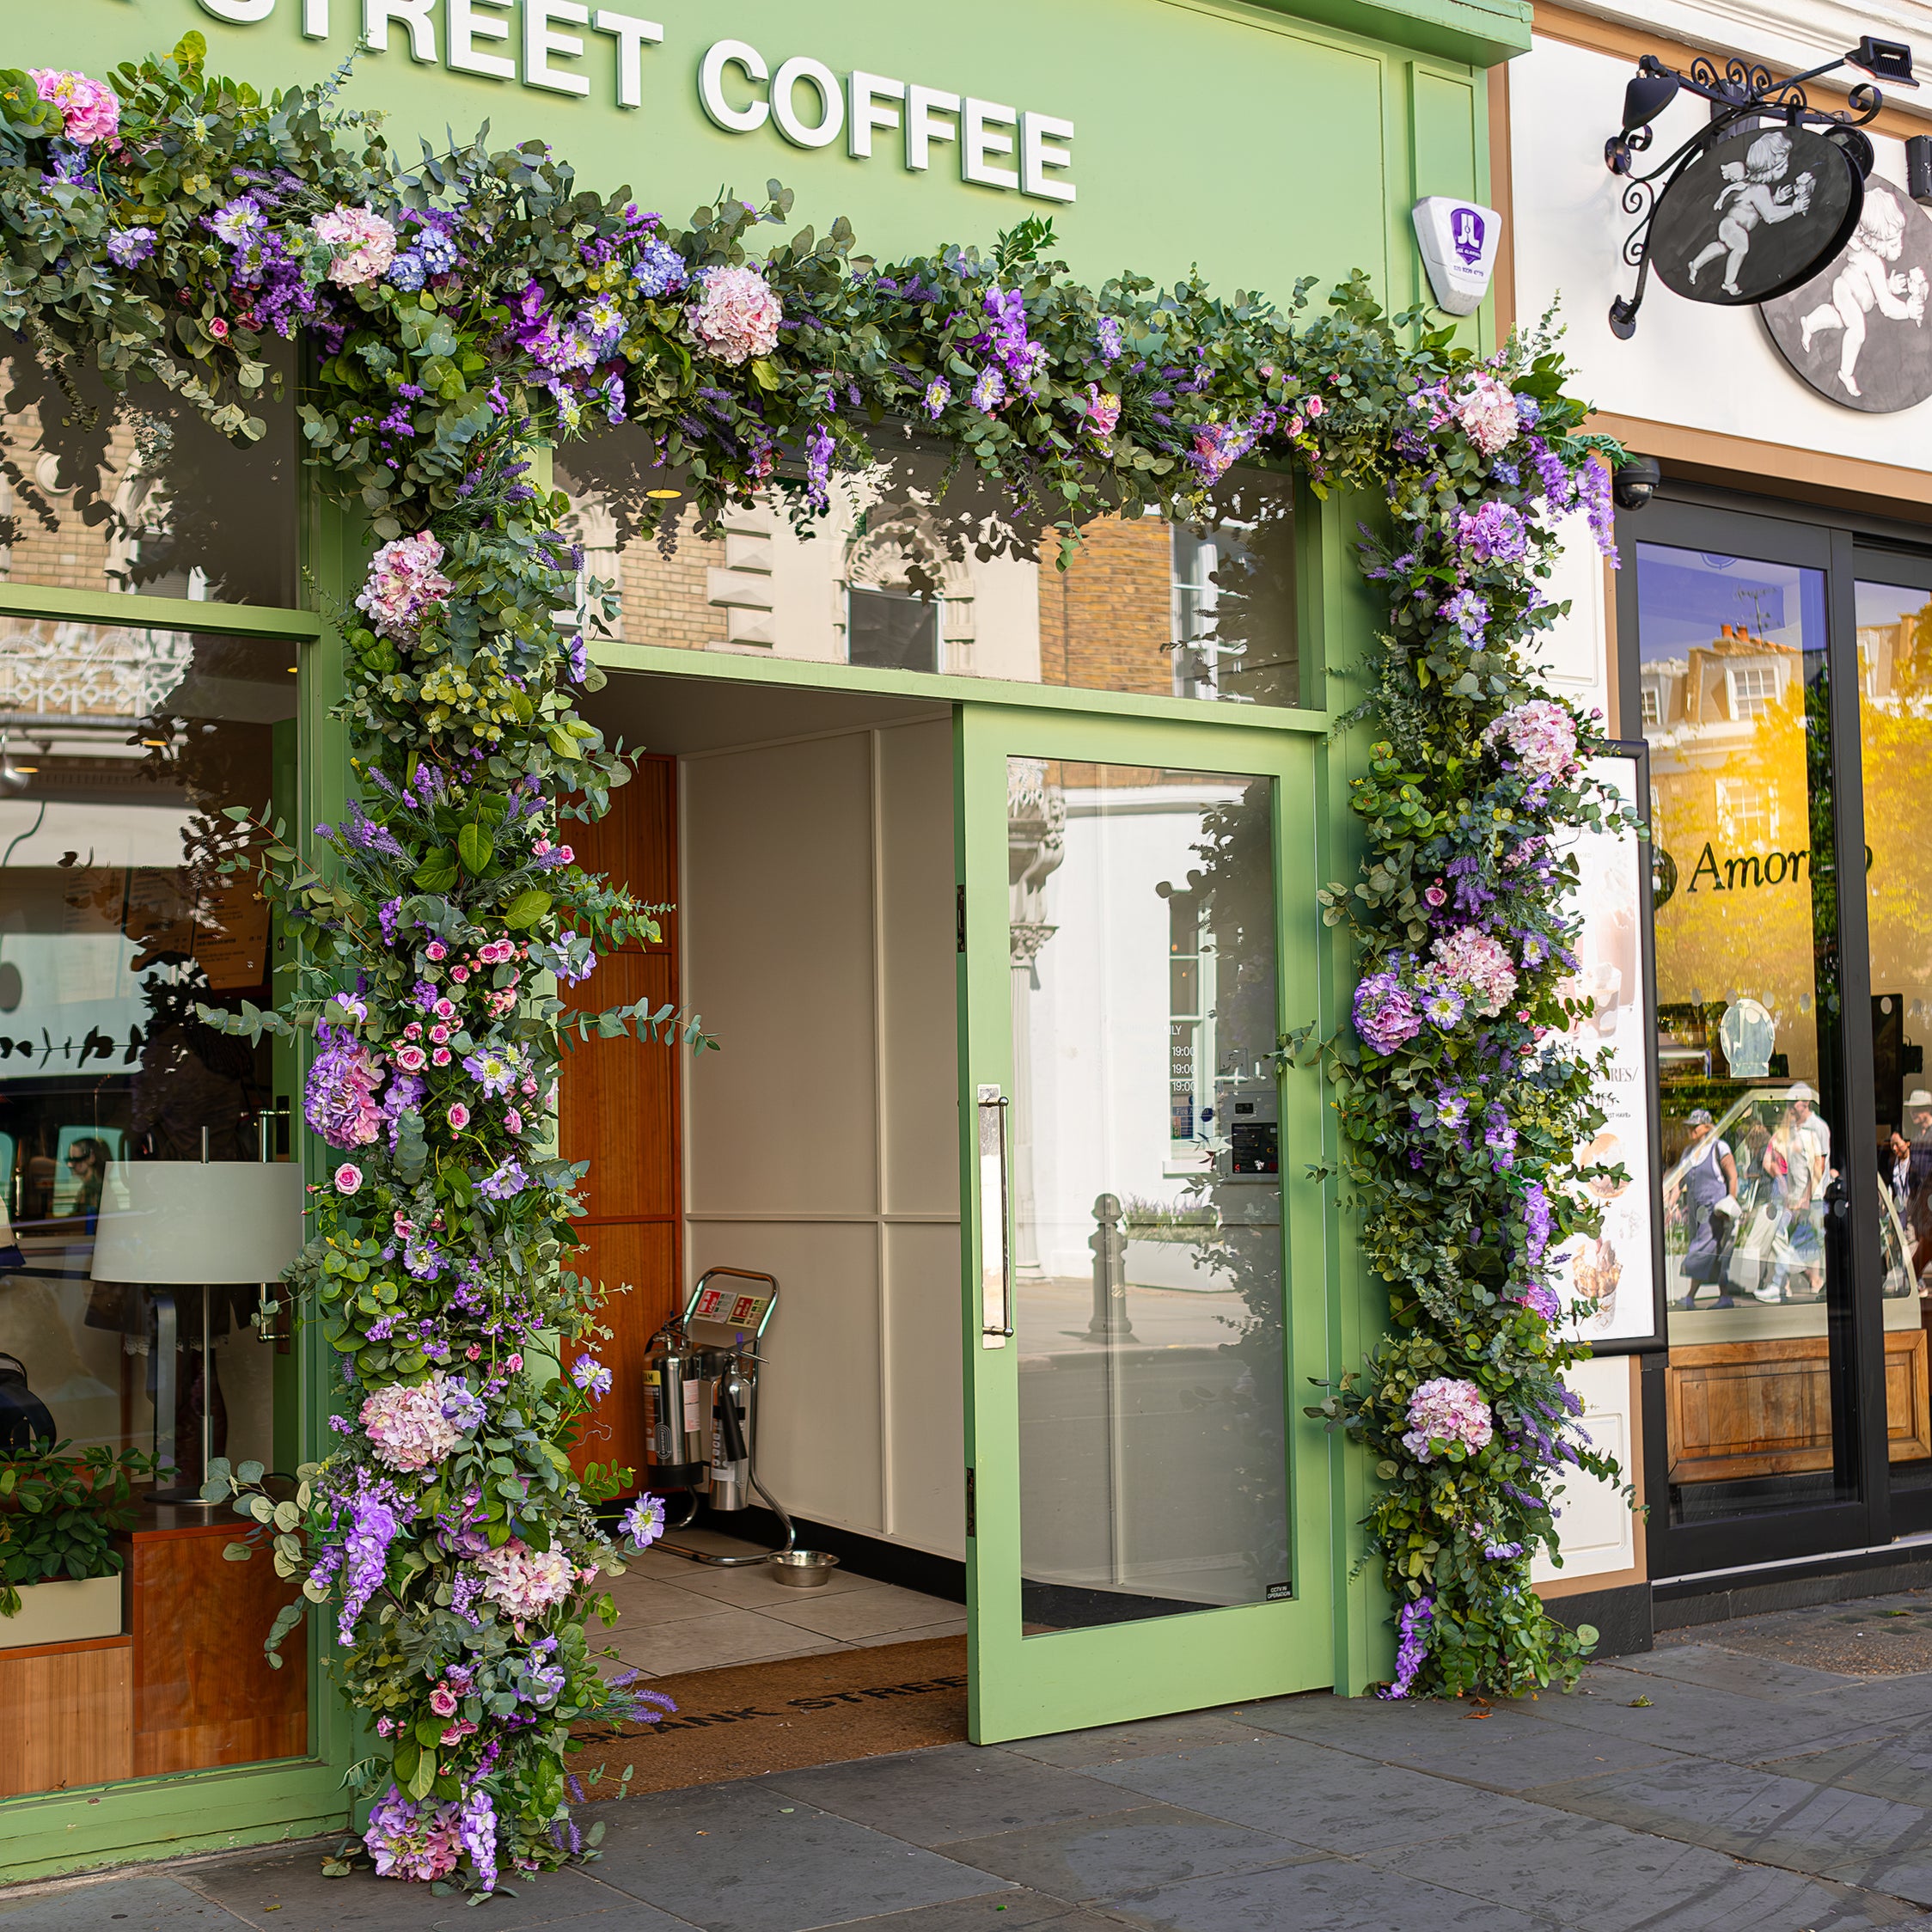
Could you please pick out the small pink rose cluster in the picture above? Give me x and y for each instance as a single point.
(1474, 966)
(360, 243)
(1450, 1410)
(736, 316)
(405, 582)
(525, 1582)
(1540, 736)
(1486, 411)
(89, 109)
(407, 1425)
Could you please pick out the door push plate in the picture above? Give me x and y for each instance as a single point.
(996, 1275)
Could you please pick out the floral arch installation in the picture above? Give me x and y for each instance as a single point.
(463, 311)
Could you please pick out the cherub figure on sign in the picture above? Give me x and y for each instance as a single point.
(1751, 200)
(1864, 283)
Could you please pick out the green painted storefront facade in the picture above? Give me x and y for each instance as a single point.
(1261, 145)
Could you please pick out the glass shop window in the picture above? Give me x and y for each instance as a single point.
(149, 1194)
(911, 569)
(136, 493)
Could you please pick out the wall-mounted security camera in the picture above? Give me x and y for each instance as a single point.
(1636, 481)
(1459, 243)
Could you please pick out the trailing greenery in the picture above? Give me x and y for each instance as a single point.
(466, 309)
(60, 1511)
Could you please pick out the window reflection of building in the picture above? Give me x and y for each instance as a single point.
(907, 569)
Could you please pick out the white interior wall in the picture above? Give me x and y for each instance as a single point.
(821, 1145)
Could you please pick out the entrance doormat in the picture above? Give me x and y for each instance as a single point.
(787, 1716)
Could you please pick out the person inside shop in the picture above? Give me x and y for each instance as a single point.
(1711, 1192)
(1910, 1174)
(87, 1161)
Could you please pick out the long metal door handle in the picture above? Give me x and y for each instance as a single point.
(996, 1261)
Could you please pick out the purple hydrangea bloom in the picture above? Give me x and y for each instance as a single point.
(660, 270)
(1385, 1014)
(408, 271)
(477, 1827)
(339, 1099)
(1496, 532)
(1107, 335)
(508, 1180)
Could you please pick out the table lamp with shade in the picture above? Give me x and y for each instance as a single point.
(208, 1223)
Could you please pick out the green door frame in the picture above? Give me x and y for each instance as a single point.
(1027, 1686)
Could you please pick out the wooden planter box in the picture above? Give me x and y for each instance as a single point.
(63, 1613)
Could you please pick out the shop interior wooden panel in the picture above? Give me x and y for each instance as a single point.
(618, 1109)
(70, 1712)
(1744, 1408)
(204, 1694)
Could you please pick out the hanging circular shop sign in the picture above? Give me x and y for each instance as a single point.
(1857, 331)
(1754, 216)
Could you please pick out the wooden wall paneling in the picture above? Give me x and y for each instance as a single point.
(620, 1108)
(1744, 1408)
(641, 1254)
(69, 1714)
(204, 1692)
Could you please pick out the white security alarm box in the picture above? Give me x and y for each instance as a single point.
(1459, 243)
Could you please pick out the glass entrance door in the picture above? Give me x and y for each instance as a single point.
(1146, 1513)
(1764, 1418)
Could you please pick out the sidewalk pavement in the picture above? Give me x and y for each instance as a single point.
(1711, 1785)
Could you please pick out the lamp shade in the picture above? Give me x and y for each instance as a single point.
(186, 1221)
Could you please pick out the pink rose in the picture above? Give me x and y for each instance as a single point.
(515, 1362)
(441, 1056)
(442, 1701)
(436, 950)
(410, 1058)
(513, 1120)
(439, 1033)
(459, 974)
(446, 1009)
(348, 1178)
(459, 1117)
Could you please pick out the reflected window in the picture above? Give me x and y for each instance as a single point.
(136, 492)
(913, 568)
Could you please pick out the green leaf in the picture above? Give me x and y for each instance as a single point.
(235, 1553)
(526, 909)
(476, 848)
(438, 872)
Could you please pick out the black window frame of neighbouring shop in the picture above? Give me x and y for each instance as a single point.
(1868, 1512)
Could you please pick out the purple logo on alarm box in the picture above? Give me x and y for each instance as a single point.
(1466, 230)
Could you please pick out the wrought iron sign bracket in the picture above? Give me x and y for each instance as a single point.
(1743, 97)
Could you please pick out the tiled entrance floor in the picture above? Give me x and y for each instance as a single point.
(675, 1615)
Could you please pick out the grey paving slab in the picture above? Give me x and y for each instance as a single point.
(1314, 1796)
(1895, 1764)
(1754, 1814)
(1330, 1895)
(994, 1912)
(285, 1890)
(1692, 1718)
(1598, 1877)
(952, 1792)
(141, 1902)
(747, 1857)
(1506, 1749)
(1152, 1737)
(1085, 1859)
(1881, 1700)
(1735, 1670)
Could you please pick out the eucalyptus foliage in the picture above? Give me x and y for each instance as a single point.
(465, 308)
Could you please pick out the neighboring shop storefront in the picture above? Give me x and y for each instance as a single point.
(1763, 648)
(823, 735)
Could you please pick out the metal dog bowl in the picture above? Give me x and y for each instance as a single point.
(804, 1569)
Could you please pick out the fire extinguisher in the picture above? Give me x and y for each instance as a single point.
(677, 1389)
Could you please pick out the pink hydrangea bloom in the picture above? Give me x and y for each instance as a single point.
(402, 585)
(361, 243)
(407, 1425)
(89, 109)
(1104, 411)
(736, 316)
(526, 1582)
(1541, 736)
(1487, 411)
(1471, 962)
(1446, 1410)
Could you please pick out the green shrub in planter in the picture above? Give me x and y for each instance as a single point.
(60, 1511)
